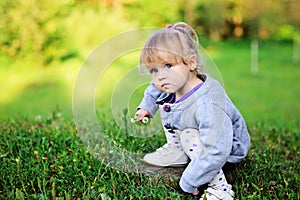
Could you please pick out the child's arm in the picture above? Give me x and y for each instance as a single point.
(148, 106)
(217, 130)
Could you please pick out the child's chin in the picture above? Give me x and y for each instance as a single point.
(168, 91)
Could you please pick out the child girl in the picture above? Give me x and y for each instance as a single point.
(202, 126)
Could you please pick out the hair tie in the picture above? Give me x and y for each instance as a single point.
(169, 26)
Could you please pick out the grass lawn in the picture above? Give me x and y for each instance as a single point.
(42, 157)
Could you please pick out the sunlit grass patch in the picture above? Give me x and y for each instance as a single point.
(44, 158)
(36, 90)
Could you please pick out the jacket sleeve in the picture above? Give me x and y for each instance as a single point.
(216, 133)
(148, 102)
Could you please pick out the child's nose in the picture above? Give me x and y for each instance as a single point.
(161, 76)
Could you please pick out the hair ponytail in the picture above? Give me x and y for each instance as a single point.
(188, 29)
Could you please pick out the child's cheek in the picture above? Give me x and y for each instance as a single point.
(158, 86)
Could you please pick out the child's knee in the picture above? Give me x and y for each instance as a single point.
(190, 141)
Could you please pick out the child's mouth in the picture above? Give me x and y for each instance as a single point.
(164, 85)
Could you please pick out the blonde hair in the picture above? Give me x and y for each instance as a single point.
(180, 40)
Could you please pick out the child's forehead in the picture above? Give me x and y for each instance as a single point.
(163, 56)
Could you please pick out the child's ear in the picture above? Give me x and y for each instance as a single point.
(192, 63)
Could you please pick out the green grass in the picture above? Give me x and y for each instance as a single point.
(45, 159)
(272, 94)
(29, 90)
(42, 156)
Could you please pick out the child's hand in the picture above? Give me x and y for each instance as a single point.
(196, 193)
(140, 114)
(141, 117)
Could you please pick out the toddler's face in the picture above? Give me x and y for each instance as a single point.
(169, 73)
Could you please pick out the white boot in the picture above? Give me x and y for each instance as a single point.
(218, 188)
(166, 156)
(170, 154)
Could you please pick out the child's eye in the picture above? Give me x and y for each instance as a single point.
(153, 71)
(168, 66)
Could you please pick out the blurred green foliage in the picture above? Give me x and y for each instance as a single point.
(153, 13)
(47, 32)
(34, 29)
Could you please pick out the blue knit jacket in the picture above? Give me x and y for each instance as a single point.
(221, 126)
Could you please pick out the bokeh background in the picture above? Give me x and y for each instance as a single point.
(44, 44)
(255, 45)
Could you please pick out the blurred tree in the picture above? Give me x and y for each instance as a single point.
(34, 30)
(94, 21)
(187, 11)
(265, 19)
(260, 23)
(54, 31)
(235, 18)
(293, 7)
(252, 11)
(153, 12)
(211, 15)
